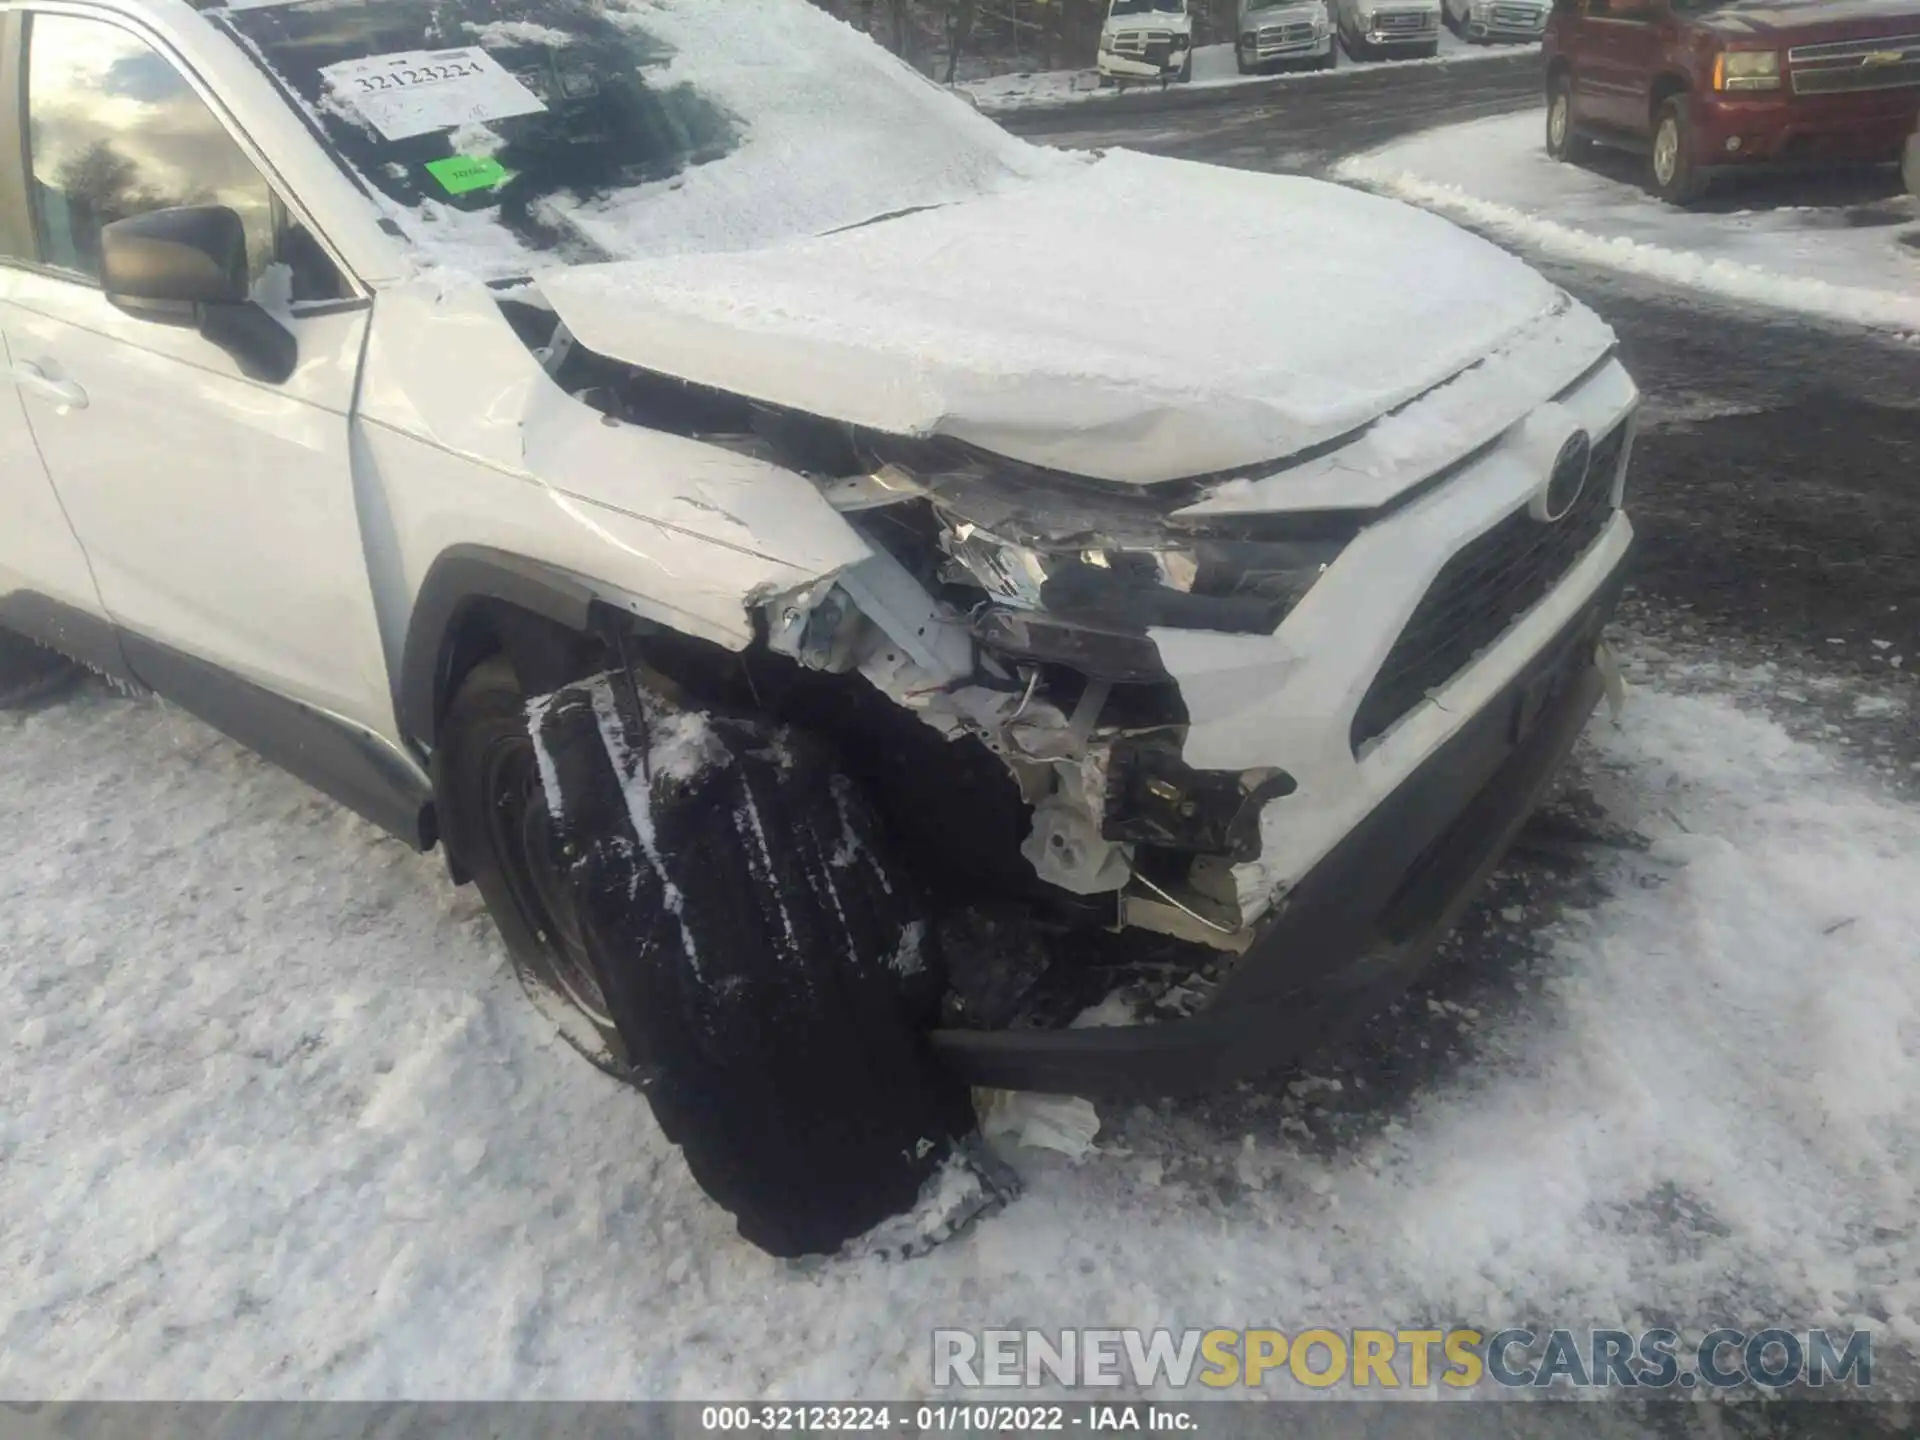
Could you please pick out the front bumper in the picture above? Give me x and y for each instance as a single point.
(1275, 52)
(1510, 29)
(1360, 924)
(1137, 67)
(1404, 39)
(1781, 128)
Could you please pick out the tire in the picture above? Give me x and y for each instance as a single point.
(496, 820)
(770, 969)
(1330, 60)
(1564, 142)
(1910, 163)
(1186, 70)
(1356, 49)
(29, 671)
(1671, 173)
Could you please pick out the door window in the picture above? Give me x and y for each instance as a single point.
(114, 130)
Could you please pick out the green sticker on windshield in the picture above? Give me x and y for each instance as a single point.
(458, 174)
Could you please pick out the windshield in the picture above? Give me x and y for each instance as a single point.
(1148, 7)
(1270, 4)
(505, 135)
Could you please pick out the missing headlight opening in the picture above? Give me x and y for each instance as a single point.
(1039, 648)
(1010, 607)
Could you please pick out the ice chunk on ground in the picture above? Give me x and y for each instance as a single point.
(1063, 1123)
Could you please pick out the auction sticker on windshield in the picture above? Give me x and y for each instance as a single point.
(412, 92)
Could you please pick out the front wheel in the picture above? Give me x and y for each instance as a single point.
(1674, 177)
(1563, 141)
(718, 901)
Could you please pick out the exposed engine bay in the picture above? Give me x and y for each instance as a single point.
(1009, 612)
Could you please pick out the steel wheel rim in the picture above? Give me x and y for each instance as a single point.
(1557, 121)
(1666, 152)
(520, 828)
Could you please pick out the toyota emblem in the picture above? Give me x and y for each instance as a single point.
(1566, 480)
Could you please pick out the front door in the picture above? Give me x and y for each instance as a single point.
(217, 511)
(1616, 64)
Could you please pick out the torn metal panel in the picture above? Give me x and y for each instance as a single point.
(498, 405)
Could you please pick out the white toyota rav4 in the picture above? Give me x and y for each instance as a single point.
(756, 518)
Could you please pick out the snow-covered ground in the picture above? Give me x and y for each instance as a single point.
(276, 1121)
(1213, 65)
(1843, 262)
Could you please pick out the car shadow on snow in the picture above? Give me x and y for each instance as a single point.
(1845, 198)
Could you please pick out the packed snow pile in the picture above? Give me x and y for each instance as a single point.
(276, 1121)
(1843, 263)
(1213, 67)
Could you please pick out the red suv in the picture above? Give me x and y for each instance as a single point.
(1709, 85)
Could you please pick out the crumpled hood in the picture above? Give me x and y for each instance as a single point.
(1137, 320)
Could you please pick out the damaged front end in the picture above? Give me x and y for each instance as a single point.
(1248, 739)
(1016, 607)
(1011, 607)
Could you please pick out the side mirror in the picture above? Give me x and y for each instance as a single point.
(188, 266)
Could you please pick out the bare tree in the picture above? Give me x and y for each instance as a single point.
(960, 18)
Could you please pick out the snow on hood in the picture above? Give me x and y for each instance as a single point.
(1108, 322)
(1173, 22)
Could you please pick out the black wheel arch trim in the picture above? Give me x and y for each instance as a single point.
(462, 578)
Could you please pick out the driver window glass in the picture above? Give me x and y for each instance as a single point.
(114, 130)
(1621, 9)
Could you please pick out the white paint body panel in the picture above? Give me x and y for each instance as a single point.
(214, 508)
(38, 551)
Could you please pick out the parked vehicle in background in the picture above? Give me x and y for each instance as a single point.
(1481, 21)
(1403, 28)
(1146, 40)
(1707, 86)
(1271, 33)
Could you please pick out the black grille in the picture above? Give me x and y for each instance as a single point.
(1492, 582)
(1403, 22)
